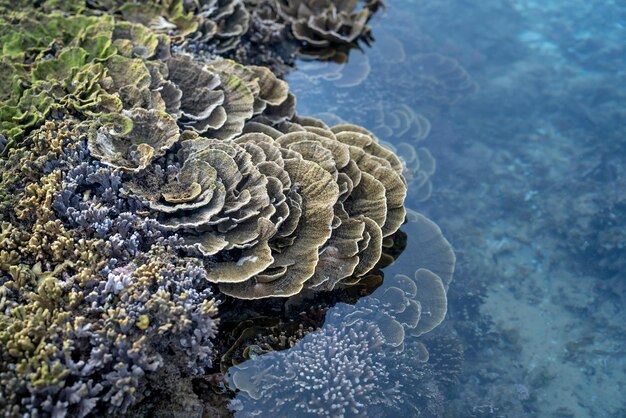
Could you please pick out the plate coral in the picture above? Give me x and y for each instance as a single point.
(152, 185)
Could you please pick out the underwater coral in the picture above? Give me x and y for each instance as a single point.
(147, 178)
(368, 359)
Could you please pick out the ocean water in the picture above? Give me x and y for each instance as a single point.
(510, 116)
(522, 105)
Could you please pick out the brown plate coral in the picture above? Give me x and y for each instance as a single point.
(327, 29)
(145, 182)
(272, 214)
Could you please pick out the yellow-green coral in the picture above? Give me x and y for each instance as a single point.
(60, 64)
(65, 317)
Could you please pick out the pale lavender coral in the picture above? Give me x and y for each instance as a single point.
(91, 201)
(122, 383)
(108, 355)
(338, 371)
(84, 395)
(99, 184)
(346, 369)
(117, 280)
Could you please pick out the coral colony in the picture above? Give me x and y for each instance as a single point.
(153, 168)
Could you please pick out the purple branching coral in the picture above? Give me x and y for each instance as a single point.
(94, 300)
(346, 369)
(90, 201)
(95, 357)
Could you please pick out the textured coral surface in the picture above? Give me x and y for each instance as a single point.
(152, 185)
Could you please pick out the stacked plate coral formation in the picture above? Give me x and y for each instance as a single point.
(139, 181)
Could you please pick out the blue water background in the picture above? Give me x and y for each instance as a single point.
(528, 188)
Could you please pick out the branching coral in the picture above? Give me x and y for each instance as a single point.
(349, 368)
(336, 193)
(93, 296)
(104, 335)
(307, 193)
(342, 368)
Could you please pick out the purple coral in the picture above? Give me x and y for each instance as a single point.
(91, 200)
(159, 309)
(347, 368)
(339, 371)
(88, 337)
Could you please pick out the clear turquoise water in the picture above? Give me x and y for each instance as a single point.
(528, 188)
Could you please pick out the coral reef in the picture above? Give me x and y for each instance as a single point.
(265, 42)
(146, 177)
(403, 130)
(343, 370)
(95, 67)
(259, 32)
(253, 206)
(327, 29)
(217, 25)
(350, 366)
(344, 366)
(94, 298)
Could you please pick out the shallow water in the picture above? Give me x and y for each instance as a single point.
(510, 118)
(528, 188)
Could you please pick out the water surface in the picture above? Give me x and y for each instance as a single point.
(521, 105)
